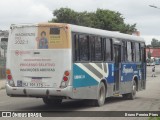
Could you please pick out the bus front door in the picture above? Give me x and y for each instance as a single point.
(117, 60)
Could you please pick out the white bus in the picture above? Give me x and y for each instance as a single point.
(56, 61)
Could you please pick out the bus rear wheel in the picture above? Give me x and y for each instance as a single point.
(101, 95)
(131, 95)
(49, 101)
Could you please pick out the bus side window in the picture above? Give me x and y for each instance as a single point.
(124, 51)
(133, 51)
(137, 52)
(98, 49)
(108, 51)
(143, 52)
(84, 47)
(140, 53)
(144, 55)
(92, 46)
(129, 52)
(96, 44)
(76, 47)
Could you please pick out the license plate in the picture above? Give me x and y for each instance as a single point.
(35, 82)
(32, 84)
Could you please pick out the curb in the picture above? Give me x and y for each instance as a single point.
(2, 84)
(2, 88)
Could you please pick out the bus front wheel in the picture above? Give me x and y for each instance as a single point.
(48, 101)
(101, 95)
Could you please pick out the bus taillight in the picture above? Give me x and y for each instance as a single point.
(8, 72)
(65, 79)
(9, 77)
(66, 73)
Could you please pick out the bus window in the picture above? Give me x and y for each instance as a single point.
(143, 52)
(96, 48)
(140, 52)
(129, 52)
(92, 45)
(124, 51)
(76, 43)
(133, 51)
(84, 47)
(108, 51)
(137, 52)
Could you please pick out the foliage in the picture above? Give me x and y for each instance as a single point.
(102, 19)
(154, 118)
(155, 43)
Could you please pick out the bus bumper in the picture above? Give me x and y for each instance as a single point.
(38, 92)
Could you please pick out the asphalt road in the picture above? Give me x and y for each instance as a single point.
(148, 100)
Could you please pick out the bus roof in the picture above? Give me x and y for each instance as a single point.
(111, 34)
(88, 30)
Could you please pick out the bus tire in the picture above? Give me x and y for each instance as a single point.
(55, 102)
(101, 95)
(132, 95)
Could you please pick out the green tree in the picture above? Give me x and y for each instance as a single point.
(148, 46)
(102, 19)
(155, 43)
(65, 15)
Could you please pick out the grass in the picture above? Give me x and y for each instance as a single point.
(154, 118)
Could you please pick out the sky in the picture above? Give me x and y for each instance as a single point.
(35, 11)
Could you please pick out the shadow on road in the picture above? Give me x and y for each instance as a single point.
(71, 105)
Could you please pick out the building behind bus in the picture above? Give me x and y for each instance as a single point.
(3, 50)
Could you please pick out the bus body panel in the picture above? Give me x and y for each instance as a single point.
(38, 56)
(39, 92)
(128, 73)
(39, 70)
(84, 79)
(87, 76)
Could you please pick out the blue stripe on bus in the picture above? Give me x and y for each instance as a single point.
(110, 78)
(129, 70)
(81, 78)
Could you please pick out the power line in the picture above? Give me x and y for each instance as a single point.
(153, 6)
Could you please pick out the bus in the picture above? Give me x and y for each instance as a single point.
(56, 61)
(157, 61)
(151, 62)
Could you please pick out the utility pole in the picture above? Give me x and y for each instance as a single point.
(153, 6)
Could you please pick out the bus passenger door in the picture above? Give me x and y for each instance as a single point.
(117, 60)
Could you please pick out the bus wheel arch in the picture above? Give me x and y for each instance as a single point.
(135, 78)
(105, 83)
(132, 94)
(101, 93)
